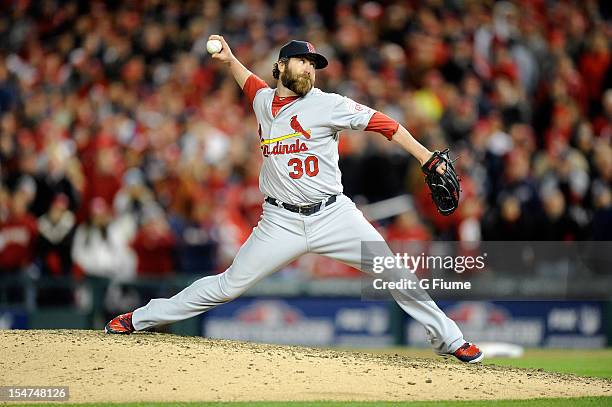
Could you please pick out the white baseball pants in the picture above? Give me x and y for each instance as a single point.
(280, 237)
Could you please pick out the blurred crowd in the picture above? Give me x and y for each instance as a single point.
(125, 150)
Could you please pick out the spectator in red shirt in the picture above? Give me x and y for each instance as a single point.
(18, 235)
(104, 178)
(407, 234)
(407, 227)
(594, 64)
(154, 244)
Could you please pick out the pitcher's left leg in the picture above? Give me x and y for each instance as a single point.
(338, 234)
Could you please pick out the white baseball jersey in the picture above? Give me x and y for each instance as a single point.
(300, 148)
(300, 144)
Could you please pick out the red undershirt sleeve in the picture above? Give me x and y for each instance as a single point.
(383, 124)
(252, 85)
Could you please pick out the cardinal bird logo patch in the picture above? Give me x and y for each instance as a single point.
(297, 127)
(280, 148)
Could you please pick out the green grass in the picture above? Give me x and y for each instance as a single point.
(568, 402)
(581, 362)
(595, 363)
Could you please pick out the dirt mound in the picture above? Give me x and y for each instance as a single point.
(159, 367)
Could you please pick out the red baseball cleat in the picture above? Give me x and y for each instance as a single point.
(120, 325)
(468, 353)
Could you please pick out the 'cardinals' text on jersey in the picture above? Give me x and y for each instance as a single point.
(300, 144)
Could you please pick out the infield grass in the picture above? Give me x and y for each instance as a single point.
(581, 362)
(595, 363)
(563, 402)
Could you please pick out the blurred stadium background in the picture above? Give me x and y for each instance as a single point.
(129, 160)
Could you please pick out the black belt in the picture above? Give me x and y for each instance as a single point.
(304, 209)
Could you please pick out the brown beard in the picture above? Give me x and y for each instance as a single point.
(299, 84)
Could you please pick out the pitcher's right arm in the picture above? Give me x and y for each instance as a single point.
(248, 82)
(239, 71)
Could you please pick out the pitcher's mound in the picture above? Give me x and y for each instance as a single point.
(158, 367)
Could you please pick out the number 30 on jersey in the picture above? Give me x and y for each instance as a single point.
(310, 165)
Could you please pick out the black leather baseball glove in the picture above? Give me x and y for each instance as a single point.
(445, 188)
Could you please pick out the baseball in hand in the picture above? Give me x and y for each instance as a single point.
(213, 46)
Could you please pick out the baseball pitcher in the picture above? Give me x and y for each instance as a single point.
(304, 209)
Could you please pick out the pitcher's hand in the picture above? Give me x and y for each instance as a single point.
(225, 55)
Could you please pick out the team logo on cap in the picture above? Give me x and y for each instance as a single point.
(311, 47)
